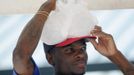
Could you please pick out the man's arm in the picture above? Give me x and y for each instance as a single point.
(125, 66)
(29, 39)
(106, 46)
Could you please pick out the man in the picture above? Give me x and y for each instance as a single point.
(67, 59)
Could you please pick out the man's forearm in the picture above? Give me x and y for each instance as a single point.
(31, 34)
(28, 41)
(126, 67)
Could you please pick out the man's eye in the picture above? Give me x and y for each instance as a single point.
(83, 48)
(69, 50)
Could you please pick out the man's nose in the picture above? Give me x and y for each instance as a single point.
(81, 54)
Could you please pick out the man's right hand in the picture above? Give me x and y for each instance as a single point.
(48, 6)
(52, 4)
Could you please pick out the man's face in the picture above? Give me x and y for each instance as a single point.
(71, 59)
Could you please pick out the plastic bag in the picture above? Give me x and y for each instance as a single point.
(71, 18)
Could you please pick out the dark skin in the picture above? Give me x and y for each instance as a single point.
(74, 63)
(69, 60)
(107, 47)
(29, 39)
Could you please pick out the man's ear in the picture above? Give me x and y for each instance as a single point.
(50, 58)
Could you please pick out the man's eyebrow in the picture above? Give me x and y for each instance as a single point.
(67, 46)
(79, 45)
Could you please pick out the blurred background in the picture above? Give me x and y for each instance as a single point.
(119, 23)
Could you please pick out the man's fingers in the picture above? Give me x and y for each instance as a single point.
(93, 42)
(97, 28)
(97, 33)
(53, 4)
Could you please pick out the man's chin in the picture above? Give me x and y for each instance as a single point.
(79, 71)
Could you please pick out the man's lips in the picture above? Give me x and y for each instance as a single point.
(81, 64)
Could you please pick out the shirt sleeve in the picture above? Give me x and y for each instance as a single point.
(36, 69)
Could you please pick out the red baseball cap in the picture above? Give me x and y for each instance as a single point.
(66, 42)
(71, 40)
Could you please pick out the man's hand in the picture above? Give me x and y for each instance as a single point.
(105, 43)
(52, 4)
(48, 6)
(106, 46)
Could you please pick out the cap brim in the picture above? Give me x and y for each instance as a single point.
(71, 40)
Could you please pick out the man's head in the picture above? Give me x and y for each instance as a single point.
(69, 59)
